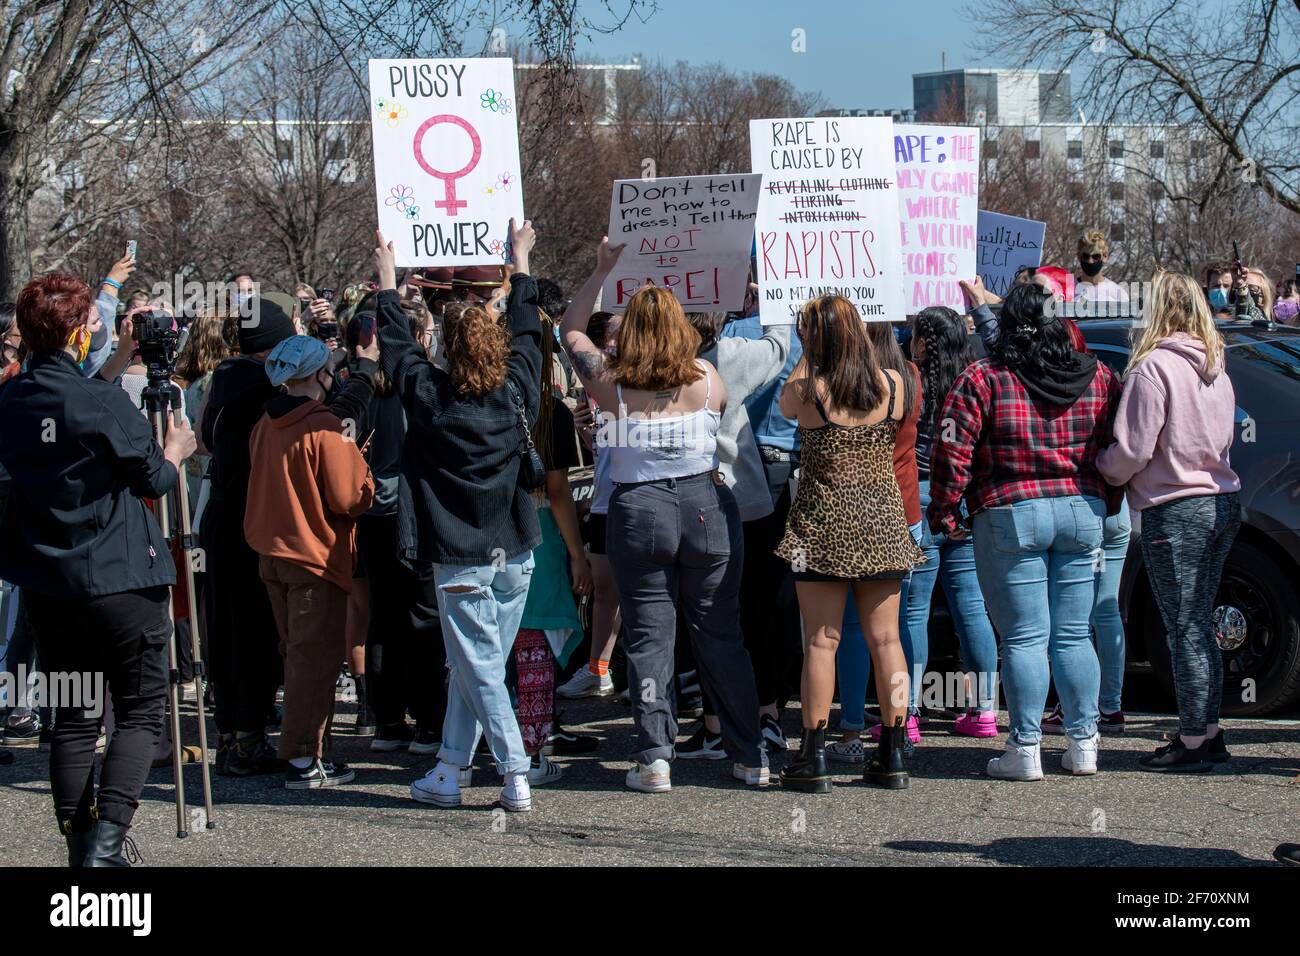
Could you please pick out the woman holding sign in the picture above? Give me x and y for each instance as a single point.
(847, 530)
(469, 521)
(675, 521)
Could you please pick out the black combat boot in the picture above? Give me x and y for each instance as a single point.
(886, 769)
(807, 772)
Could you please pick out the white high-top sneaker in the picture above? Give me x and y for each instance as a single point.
(1080, 757)
(440, 786)
(516, 795)
(1018, 762)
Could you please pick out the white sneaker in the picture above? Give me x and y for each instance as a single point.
(752, 776)
(1080, 757)
(650, 778)
(515, 795)
(586, 684)
(1018, 762)
(440, 786)
(543, 771)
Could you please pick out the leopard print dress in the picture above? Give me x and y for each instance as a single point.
(847, 519)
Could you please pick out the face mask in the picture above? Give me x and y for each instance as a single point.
(1218, 298)
(1285, 312)
(80, 339)
(1091, 268)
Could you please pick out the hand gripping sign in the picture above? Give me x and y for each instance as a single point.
(446, 149)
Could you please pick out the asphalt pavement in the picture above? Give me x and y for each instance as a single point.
(951, 815)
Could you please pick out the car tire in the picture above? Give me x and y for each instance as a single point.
(1254, 583)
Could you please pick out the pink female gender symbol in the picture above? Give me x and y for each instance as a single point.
(449, 201)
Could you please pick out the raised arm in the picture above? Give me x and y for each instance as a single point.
(404, 362)
(589, 361)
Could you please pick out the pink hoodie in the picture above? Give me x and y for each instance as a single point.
(1174, 427)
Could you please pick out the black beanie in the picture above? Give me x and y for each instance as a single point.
(267, 325)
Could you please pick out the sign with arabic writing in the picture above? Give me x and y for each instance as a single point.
(1006, 245)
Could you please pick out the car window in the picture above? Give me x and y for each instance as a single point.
(1115, 358)
(1280, 355)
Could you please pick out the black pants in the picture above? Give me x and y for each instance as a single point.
(122, 637)
(243, 643)
(406, 660)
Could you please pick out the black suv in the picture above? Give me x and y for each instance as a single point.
(1257, 610)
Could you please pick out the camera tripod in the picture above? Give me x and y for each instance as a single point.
(161, 400)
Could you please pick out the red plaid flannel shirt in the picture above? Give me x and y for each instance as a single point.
(995, 445)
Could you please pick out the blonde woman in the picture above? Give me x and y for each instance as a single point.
(1173, 430)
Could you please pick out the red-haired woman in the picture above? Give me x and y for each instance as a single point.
(676, 523)
(89, 557)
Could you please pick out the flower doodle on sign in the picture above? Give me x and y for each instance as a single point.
(503, 105)
(490, 99)
(392, 111)
(505, 181)
(412, 212)
(401, 197)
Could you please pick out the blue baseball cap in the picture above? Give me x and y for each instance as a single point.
(296, 357)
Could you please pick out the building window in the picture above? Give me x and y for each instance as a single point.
(991, 149)
(1116, 232)
(334, 147)
(1158, 149)
(1032, 149)
(1198, 149)
(1116, 149)
(1156, 190)
(1074, 149)
(1076, 192)
(283, 149)
(1115, 192)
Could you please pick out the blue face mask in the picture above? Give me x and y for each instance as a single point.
(1218, 298)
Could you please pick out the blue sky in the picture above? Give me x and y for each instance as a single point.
(859, 54)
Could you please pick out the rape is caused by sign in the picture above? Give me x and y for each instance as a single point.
(828, 216)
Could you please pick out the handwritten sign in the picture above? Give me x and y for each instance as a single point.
(446, 159)
(938, 202)
(828, 217)
(1006, 244)
(689, 234)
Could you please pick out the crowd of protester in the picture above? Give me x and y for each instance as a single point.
(380, 481)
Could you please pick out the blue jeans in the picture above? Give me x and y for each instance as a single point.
(1036, 563)
(479, 626)
(1107, 625)
(853, 659)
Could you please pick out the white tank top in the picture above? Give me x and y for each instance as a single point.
(651, 449)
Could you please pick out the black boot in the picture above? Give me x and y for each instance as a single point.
(366, 722)
(886, 769)
(807, 772)
(104, 845)
(77, 835)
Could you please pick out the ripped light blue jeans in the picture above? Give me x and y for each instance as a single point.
(481, 607)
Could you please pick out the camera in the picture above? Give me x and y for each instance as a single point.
(158, 338)
(327, 330)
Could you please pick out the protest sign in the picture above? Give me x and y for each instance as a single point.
(1006, 243)
(938, 196)
(828, 216)
(690, 234)
(446, 159)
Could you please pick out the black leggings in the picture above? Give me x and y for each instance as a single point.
(121, 639)
(406, 660)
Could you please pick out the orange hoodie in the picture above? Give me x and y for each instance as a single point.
(307, 485)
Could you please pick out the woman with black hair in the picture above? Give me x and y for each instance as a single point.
(1018, 439)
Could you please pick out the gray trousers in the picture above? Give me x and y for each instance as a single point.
(1184, 544)
(680, 540)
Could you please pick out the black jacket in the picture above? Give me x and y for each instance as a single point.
(460, 502)
(80, 457)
